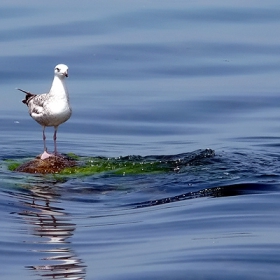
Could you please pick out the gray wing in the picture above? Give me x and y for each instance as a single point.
(35, 102)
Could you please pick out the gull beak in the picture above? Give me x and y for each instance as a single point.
(66, 74)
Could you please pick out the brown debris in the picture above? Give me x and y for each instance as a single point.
(49, 165)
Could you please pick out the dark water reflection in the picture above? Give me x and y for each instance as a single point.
(52, 228)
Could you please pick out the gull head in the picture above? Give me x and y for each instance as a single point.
(61, 71)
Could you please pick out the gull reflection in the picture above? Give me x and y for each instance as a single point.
(52, 228)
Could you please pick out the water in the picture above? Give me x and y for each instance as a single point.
(151, 79)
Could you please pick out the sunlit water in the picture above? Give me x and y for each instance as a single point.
(162, 80)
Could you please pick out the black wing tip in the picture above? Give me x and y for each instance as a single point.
(27, 92)
(28, 96)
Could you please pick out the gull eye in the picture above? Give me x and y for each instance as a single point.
(58, 70)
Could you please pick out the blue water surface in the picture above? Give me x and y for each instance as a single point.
(149, 79)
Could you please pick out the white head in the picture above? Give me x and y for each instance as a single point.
(61, 71)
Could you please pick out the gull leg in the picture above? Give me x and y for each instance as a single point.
(54, 140)
(55, 147)
(44, 139)
(45, 154)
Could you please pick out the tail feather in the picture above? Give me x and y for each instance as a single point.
(28, 96)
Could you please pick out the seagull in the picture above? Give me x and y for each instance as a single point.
(50, 109)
